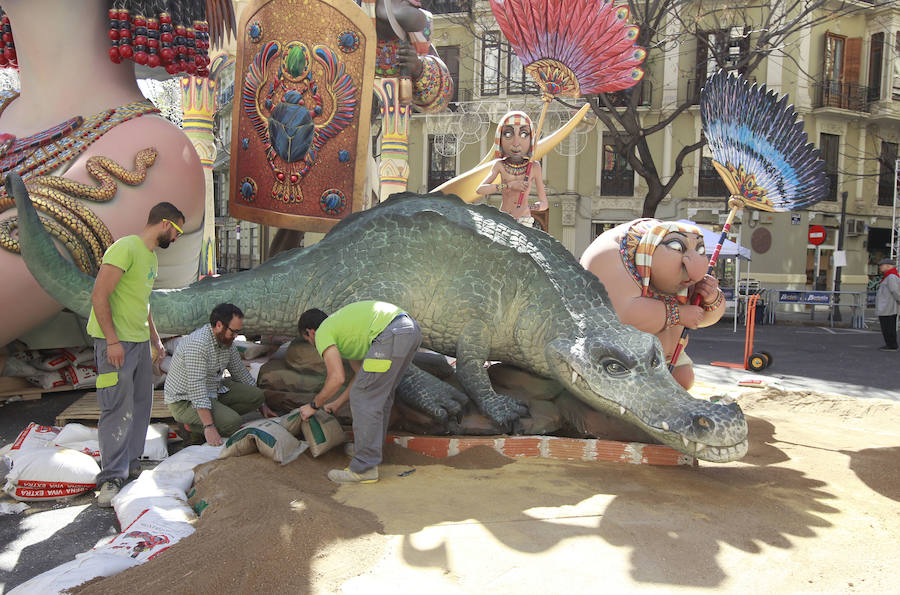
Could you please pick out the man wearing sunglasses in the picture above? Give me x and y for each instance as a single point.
(122, 327)
(196, 393)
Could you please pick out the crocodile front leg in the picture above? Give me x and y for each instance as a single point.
(472, 350)
(423, 392)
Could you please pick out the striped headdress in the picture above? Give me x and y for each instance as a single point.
(512, 119)
(638, 245)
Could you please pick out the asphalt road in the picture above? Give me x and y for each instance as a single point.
(840, 361)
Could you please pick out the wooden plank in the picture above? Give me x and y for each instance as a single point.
(12, 386)
(87, 409)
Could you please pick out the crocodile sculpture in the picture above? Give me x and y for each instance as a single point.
(482, 287)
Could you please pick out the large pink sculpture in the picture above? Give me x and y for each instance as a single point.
(90, 147)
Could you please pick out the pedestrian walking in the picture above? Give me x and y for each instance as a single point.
(887, 303)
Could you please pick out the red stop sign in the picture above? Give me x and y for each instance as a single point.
(816, 235)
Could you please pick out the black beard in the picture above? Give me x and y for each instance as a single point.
(163, 241)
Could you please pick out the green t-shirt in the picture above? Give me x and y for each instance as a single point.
(130, 300)
(353, 328)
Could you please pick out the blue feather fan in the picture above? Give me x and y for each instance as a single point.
(759, 148)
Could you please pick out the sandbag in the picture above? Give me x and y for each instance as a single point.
(155, 448)
(74, 376)
(322, 432)
(303, 357)
(80, 438)
(250, 350)
(266, 436)
(49, 473)
(35, 436)
(64, 358)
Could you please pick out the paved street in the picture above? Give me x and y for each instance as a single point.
(840, 360)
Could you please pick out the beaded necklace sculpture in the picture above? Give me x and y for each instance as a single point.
(39, 154)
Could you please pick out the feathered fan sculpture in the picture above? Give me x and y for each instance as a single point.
(760, 151)
(571, 47)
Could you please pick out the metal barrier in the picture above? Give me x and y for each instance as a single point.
(831, 299)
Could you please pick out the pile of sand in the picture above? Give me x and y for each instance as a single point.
(803, 510)
(264, 523)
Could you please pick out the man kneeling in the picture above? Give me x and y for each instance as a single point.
(195, 391)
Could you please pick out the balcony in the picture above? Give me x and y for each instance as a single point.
(848, 96)
(446, 6)
(621, 98)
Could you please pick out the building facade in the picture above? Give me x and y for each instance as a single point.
(842, 75)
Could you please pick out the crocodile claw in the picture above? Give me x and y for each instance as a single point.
(504, 411)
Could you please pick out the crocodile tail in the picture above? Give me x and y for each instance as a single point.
(175, 311)
(59, 277)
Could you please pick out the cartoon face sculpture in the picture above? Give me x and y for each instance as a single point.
(514, 139)
(679, 262)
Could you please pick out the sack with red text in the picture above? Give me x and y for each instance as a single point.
(65, 357)
(35, 436)
(49, 473)
(81, 438)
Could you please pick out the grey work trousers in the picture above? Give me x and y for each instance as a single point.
(372, 393)
(124, 407)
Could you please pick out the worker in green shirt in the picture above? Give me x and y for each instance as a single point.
(379, 339)
(122, 328)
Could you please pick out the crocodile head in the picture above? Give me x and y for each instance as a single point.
(623, 372)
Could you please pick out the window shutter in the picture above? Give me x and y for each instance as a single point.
(852, 60)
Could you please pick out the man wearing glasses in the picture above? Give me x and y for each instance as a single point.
(122, 327)
(196, 393)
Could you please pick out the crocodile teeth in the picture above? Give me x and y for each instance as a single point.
(574, 376)
(685, 441)
(699, 447)
(665, 426)
(621, 411)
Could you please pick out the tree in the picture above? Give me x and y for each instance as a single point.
(730, 35)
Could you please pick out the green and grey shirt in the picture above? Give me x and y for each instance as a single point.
(353, 328)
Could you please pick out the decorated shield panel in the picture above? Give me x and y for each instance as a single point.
(303, 96)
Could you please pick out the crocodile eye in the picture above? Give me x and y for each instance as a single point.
(655, 361)
(614, 368)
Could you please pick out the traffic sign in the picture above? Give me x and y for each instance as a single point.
(816, 235)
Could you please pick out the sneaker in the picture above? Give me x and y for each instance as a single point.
(349, 449)
(886, 348)
(108, 489)
(347, 476)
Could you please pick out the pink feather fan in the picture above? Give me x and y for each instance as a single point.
(572, 47)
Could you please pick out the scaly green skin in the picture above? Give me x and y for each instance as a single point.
(481, 286)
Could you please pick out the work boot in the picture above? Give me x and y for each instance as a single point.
(108, 489)
(347, 476)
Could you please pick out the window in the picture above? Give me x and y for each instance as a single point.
(724, 48)
(886, 173)
(490, 64)
(709, 183)
(220, 194)
(450, 55)
(840, 84)
(599, 227)
(828, 147)
(834, 57)
(618, 177)
(518, 81)
(440, 167)
(895, 91)
(876, 58)
(446, 6)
